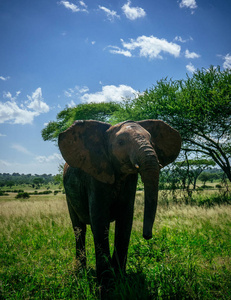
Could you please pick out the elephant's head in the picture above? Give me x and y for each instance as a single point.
(107, 152)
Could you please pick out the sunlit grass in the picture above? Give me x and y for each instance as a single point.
(187, 258)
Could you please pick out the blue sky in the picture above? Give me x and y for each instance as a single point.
(55, 54)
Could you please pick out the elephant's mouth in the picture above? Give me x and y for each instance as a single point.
(128, 167)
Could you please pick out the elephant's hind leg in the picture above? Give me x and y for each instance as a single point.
(80, 234)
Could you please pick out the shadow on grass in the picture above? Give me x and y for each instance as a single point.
(132, 286)
(138, 285)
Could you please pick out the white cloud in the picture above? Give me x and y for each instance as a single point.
(75, 94)
(133, 13)
(117, 50)
(15, 113)
(12, 113)
(227, 61)
(21, 149)
(36, 102)
(71, 104)
(68, 93)
(73, 7)
(107, 94)
(180, 39)
(150, 46)
(190, 67)
(83, 4)
(4, 78)
(2, 134)
(51, 158)
(8, 95)
(111, 14)
(188, 4)
(76, 91)
(110, 93)
(81, 90)
(191, 54)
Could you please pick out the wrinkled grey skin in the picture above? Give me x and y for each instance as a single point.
(100, 180)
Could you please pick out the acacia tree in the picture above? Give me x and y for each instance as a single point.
(199, 107)
(206, 99)
(194, 167)
(204, 177)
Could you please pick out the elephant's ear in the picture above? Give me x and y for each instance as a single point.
(83, 146)
(166, 140)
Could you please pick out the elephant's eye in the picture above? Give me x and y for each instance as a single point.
(121, 142)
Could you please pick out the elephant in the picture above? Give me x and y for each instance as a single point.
(100, 179)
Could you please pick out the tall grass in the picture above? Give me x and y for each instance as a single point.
(187, 258)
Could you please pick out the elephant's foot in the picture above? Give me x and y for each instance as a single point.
(119, 269)
(107, 287)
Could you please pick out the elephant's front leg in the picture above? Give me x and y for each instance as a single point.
(100, 222)
(103, 259)
(123, 226)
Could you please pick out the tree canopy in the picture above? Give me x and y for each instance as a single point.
(92, 111)
(198, 106)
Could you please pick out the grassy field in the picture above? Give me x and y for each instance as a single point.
(187, 258)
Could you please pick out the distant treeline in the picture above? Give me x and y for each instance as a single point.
(10, 180)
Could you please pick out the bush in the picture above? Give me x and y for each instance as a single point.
(14, 191)
(41, 193)
(212, 200)
(208, 187)
(45, 193)
(218, 186)
(2, 193)
(200, 188)
(22, 195)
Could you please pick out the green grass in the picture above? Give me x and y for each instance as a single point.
(187, 258)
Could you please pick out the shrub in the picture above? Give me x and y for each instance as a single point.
(212, 200)
(22, 195)
(45, 193)
(218, 186)
(2, 193)
(14, 191)
(41, 193)
(200, 188)
(208, 187)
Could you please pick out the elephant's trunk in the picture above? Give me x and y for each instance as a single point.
(149, 171)
(150, 205)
